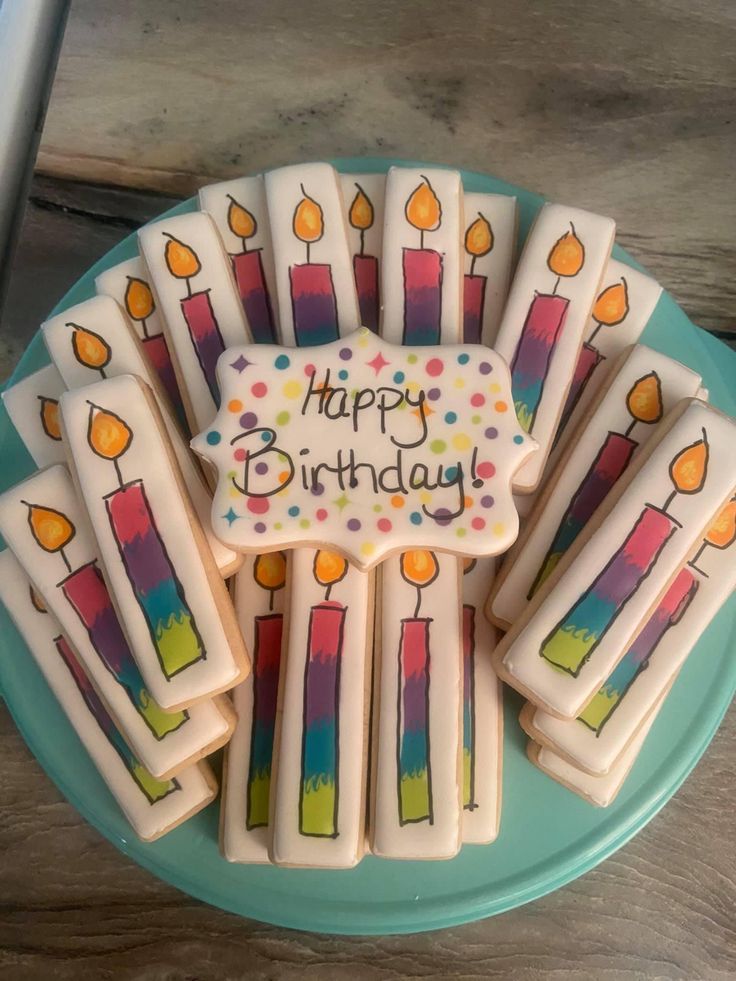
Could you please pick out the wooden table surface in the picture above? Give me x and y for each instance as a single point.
(625, 108)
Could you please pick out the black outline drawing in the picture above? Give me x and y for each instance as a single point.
(77, 353)
(45, 401)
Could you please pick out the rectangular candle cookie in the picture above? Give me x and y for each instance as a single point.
(193, 284)
(417, 779)
(482, 722)
(33, 407)
(321, 750)
(490, 243)
(585, 616)
(240, 213)
(422, 260)
(643, 387)
(549, 304)
(314, 276)
(93, 340)
(45, 525)
(152, 806)
(174, 608)
(127, 284)
(597, 739)
(363, 197)
(259, 604)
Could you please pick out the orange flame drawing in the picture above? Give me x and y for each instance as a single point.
(107, 434)
(138, 299)
(689, 468)
(50, 417)
(240, 221)
(644, 400)
(329, 568)
(181, 261)
(50, 528)
(90, 349)
(567, 255)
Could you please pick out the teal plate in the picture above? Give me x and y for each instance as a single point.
(548, 835)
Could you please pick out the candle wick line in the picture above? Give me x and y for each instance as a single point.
(189, 288)
(245, 245)
(697, 555)
(307, 244)
(102, 372)
(419, 602)
(362, 241)
(144, 328)
(67, 563)
(592, 337)
(472, 265)
(421, 238)
(328, 591)
(631, 428)
(669, 501)
(117, 471)
(554, 290)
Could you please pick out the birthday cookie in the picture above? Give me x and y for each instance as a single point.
(33, 407)
(173, 606)
(44, 524)
(489, 245)
(363, 198)
(370, 447)
(583, 619)
(152, 805)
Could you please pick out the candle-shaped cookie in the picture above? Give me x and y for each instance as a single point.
(239, 210)
(44, 524)
(259, 604)
(421, 263)
(642, 386)
(127, 284)
(543, 323)
(489, 243)
(318, 812)
(575, 631)
(192, 281)
(177, 616)
(314, 276)
(102, 318)
(600, 736)
(363, 195)
(33, 407)
(151, 805)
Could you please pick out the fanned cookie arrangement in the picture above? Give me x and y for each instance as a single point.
(322, 467)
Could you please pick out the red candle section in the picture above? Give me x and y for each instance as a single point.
(533, 354)
(422, 296)
(588, 360)
(253, 290)
(365, 270)
(157, 351)
(474, 292)
(205, 334)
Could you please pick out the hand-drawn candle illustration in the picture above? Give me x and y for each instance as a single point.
(269, 572)
(541, 330)
(183, 262)
(33, 407)
(49, 415)
(313, 303)
(361, 216)
(422, 270)
(140, 307)
(90, 349)
(250, 275)
(420, 569)
(156, 587)
(571, 642)
(720, 535)
(478, 242)
(469, 613)
(319, 798)
(644, 403)
(86, 592)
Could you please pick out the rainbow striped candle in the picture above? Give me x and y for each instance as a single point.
(588, 360)
(469, 707)
(611, 461)
(321, 729)
(266, 661)
(533, 354)
(576, 636)
(474, 292)
(157, 351)
(206, 337)
(669, 612)
(159, 593)
(152, 787)
(415, 775)
(313, 303)
(422, 296)
(86, 592)
(251, 282)
(365, 271)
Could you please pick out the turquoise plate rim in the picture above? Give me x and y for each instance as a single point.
(548, 836)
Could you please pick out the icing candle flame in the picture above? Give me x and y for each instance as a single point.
(308, 223)
(89, 348)
(644, 400)
(107, 434)
(36, 601)
(567, 255)
(612, 305)
(479, 237)
(689, 468)
(722, 533)
(50, 417)
(138, 299)
(329, 568)
(240, 221)
(51, 529)
(419, 567)
(360, 215)
(423, 209)
(181, 261)
(269, 570)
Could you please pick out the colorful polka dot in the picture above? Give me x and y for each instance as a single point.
(433, 394)
(345, 354)
(384, 524)
(261, 468)
(443, 517)
(463, 358)
(318, 489)
(304, 523)
(234, 405)
(321, 514)
(240, 454)
(485, 470)
(397, 501)
(258, 505)
(450, 418)
(425, 497)
(485, 368)
(461, 441)
(461, 533)
(451, 473)
(486, 501)
(248, 420)
(476, 420)
(293, 511)
(459, 382)
(265, 437)
(377, 508)
(282, 418)
(283, 476)
(259, 390)
(468, 501)
(292, 389)
(282, 362)
(435, 367)
(399, 376)
(343, 374)
(438, 446)
(367, 548)
(477, 400)
(415, 518)
(491, 432)
(500, 406)
(259, 527)
(309, 370)
(278, 526)
(412, 359)
(213, 438)
(478, 524)
(518, 440)
(354, 524)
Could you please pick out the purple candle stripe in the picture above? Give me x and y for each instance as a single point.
(313, 304)
(205, 335)
(422, 296)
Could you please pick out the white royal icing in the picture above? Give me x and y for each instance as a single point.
(33, 407)
(489, 244)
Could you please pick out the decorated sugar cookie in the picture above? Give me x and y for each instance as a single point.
(152, 805)
(489, 243)
(418, 792)
(94, 340)
(546, 314)
(585, 616)
(259, 597)
(193, 284)
(422, 260)
(363, 197)
(175, 609)
(128, 284)
(319, 796)
(44, 524)
(33, 407)
(314, 276)
(643, 387)
(314, 446)
(239, 210)
(599, 737)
